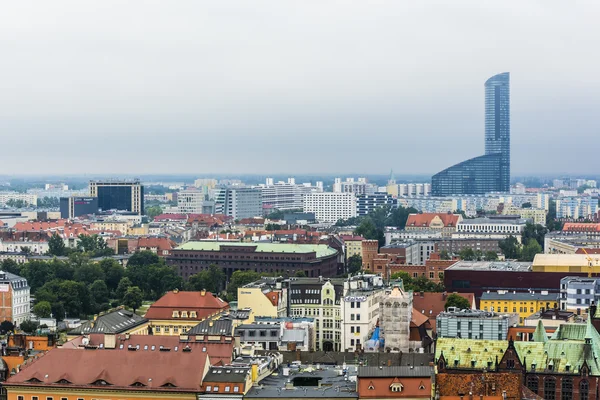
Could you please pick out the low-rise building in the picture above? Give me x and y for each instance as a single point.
(497, 227)
(352, 245)
(474, 324)
(178, 311)
(397, 382)
(446, 223)
(267, 297)
(522, 303)
(278, 334)
(577, 293)
(15, 299)
(118, 321)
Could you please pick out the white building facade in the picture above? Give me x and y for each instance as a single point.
(330, 206)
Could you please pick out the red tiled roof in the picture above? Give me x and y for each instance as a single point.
(352, 238)
(273, 297)
(204, 304)
(252, 221)
(119, 369)
(431, 304)
(170, 217)
(219, 353)
(417, 319)
(423, 220)
(589, 251)
(39, 226)
(161, 243)
(581, 227)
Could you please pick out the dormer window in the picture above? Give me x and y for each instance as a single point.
(137, 384)
(101, 382)
(396, 387)
(192, 314)
(184, 314)
(175, 314)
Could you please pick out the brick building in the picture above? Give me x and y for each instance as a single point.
(398, 382)
(286, 259)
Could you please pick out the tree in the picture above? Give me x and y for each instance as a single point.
(455, 300)
(526, 205)
(510, 247)
(99, 292)
(531, 231)
(133, 298)
(211, 280)
(42, 309)
(238, 279)
(162, 278)
(124, 284)
(370, 231)
(490, 256)
(145, 257)
(6, 326)
(530, 250)
(467, 254)
(300, 274)
(28, 326)
(354, 264)
(10, 265)
(153, 211)
(113, 272)
(89, 273)
(56, 246)
(444, 255)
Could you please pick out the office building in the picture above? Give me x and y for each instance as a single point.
(238, 202)
(285, 195)
(366, 203)
(194, 201)
(490, 172)
(119, 195)
(445, 223)
(474, 324)
(285, 259)
(72, 207)
(330, 207)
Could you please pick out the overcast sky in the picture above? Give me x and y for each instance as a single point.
(293, 86)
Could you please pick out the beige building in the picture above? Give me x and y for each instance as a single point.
(266, 298)
(120, 226)
(569, 263)
(538, 215)
(353, 245)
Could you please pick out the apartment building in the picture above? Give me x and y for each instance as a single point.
(330, 207)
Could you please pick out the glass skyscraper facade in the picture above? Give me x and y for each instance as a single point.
(490, 172)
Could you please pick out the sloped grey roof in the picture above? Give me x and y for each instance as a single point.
(213, 327)
(389, 372)
(117, 321)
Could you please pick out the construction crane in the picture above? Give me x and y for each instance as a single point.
(590, 262)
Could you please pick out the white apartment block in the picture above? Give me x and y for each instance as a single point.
(489, 228)
(330, 207)
(5, 197)
(576, 207)
(286, 195)
(538, 215)
(360, 186)
(18, 299)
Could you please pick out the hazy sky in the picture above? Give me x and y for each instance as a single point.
(293, 86)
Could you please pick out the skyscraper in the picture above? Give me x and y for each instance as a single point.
(490, 172)
(118, 195)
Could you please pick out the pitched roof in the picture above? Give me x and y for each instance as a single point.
(352, 238)
(204, 303)
(424, 219)
(161, 243)
(220, 353)
(175, 370)
(228, 373)
(581, 227)
(540, 335)
(431, 304)
(396, 371)
(213, 327)
(112, 322)
(321, 250)
(417, 318)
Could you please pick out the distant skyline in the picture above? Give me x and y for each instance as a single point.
(272, 87)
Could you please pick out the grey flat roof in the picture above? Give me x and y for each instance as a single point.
(519, 296)
(515, 266)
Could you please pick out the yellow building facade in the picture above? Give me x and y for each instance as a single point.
(523, 304)
(569, 263)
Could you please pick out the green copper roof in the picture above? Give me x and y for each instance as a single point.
(565, 352)
(322, 250)
(540, 335)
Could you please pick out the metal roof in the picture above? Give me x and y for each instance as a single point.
(395, 371)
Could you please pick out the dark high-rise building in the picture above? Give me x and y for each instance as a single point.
(71, 207)
(490, 172)
(119, 195)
